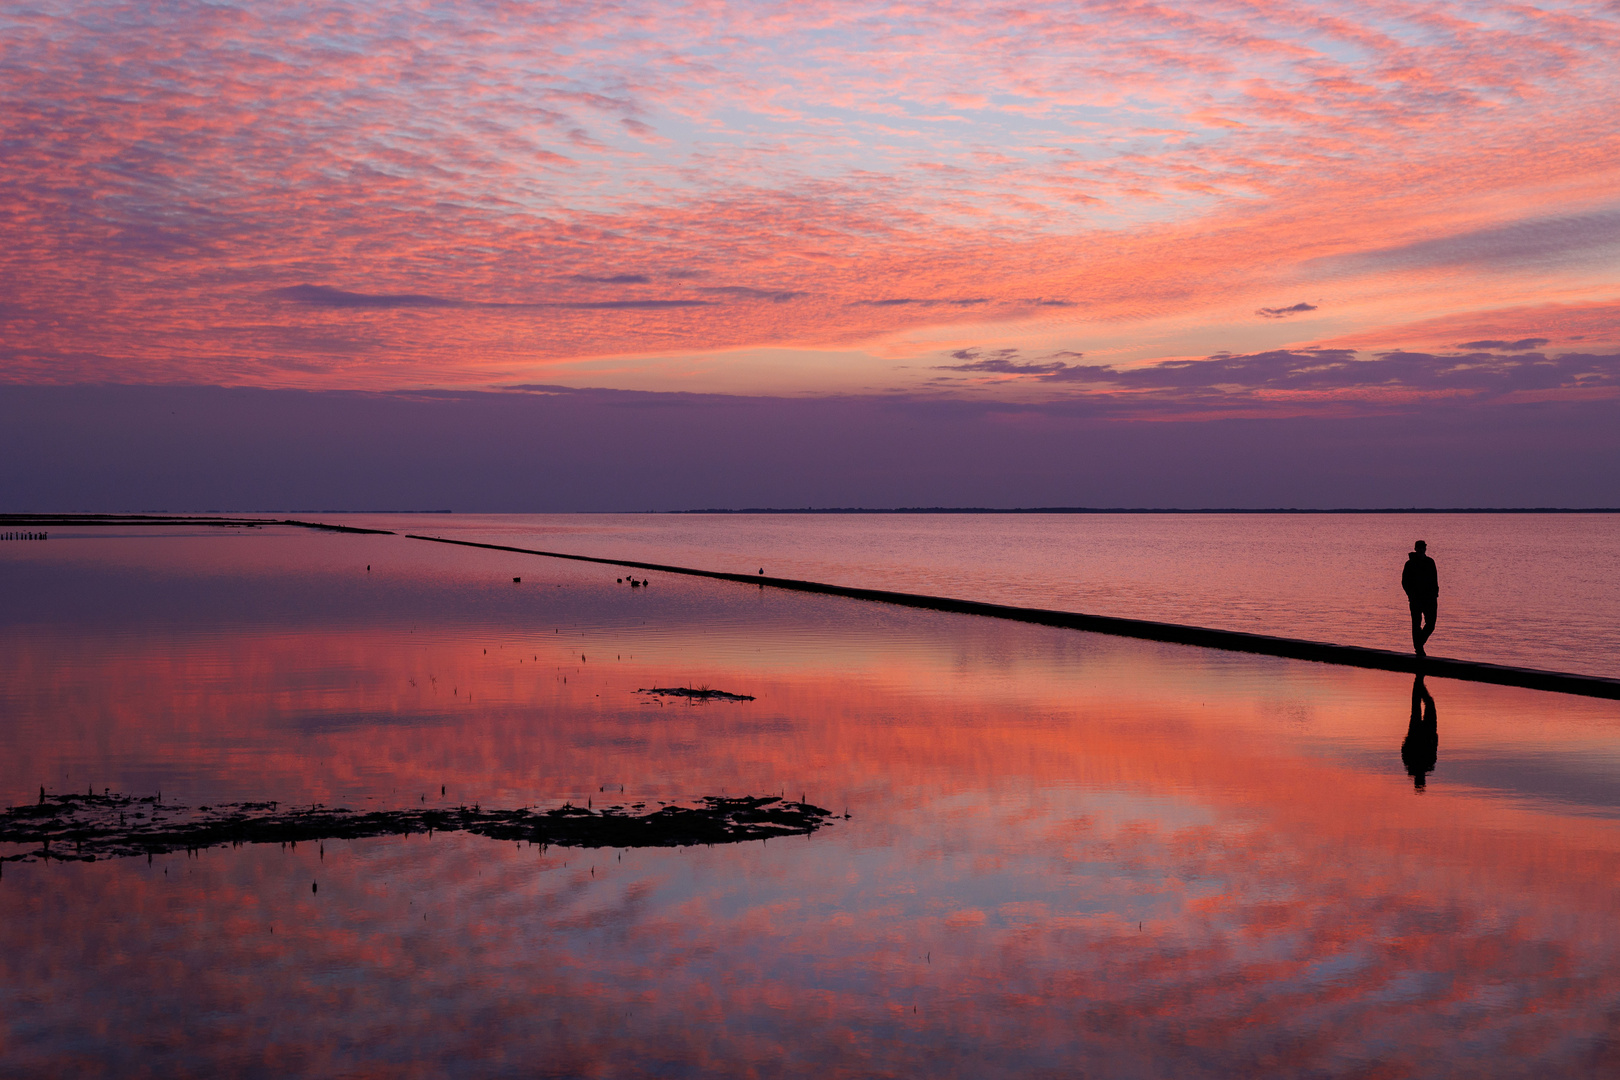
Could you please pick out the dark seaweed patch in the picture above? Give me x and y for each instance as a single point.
(703, 694)
(88, 827)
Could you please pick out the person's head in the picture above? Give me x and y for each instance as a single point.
(1420, 547)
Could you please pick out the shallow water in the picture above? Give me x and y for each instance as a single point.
(1065, 853)
(1540, 590)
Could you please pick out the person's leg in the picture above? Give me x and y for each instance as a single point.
(1417, 629)
(1429, 611)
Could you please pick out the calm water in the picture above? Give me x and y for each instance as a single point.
(1540, 590)
(1066, 854)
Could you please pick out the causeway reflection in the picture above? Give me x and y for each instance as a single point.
(1064, 853)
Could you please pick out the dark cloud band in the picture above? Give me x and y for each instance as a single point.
(328, 297)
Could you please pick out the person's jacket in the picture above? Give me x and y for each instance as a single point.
(1419, 578)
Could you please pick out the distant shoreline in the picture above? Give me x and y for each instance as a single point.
(1156, 510)
(36, 519)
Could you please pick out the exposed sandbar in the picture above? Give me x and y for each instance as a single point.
(88, 827)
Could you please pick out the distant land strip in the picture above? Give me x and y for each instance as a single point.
(20, 520)
(1174, 633)
(1158, 510)
(68, 521)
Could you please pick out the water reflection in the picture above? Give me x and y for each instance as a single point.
(1422, 743)
(1065, 854)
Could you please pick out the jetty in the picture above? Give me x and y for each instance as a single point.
(1320, 652)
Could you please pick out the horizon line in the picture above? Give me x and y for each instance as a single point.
(168, 516)
(1149, 510)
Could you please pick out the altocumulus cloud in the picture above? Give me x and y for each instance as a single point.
(778, 296)
(911, 301)
(1225, 377)
(1341, 369)
(1284, 312)
(1004, 362)
(328, 297)
(1565, 240)
(1522, 345)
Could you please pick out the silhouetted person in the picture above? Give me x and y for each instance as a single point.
(1422, 585)
(1422, 743)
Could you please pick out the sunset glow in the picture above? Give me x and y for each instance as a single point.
(739, 538)
(1043, 201)
(809, 539)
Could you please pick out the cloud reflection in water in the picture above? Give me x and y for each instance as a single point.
(1064, 853)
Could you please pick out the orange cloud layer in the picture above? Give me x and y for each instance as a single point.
(372, 197)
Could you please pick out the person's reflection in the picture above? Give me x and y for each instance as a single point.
(1422, 742)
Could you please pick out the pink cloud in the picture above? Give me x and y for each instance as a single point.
(169, 168)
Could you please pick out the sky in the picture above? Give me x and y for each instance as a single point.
(1072, 223)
